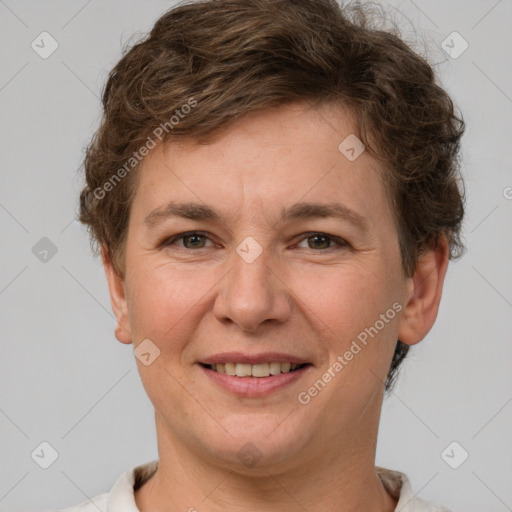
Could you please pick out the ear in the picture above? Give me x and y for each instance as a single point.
(424, 294)
(117, 298)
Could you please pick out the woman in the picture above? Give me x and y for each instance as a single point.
(274, 192)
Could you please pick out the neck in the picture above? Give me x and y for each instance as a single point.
(342, 478)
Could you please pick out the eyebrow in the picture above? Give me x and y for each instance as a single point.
(198, 211)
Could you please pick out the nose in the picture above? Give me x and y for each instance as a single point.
(253, 293)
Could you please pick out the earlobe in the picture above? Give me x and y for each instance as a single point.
(424, 294)
(118, 301)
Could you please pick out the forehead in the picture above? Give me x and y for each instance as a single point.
(264, 164)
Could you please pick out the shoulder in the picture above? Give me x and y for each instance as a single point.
(121, 496)
(398, 485)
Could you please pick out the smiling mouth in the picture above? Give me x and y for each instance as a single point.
(254, 370)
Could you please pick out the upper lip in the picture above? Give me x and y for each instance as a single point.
(264, 357)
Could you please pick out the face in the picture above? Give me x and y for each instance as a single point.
(263, 285)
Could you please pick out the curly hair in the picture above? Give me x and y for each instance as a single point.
(223, 59)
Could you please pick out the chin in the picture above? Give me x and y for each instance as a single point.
(256, 441)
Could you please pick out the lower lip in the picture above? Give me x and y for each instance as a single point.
(254, 386)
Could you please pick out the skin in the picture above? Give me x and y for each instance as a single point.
(301, 296)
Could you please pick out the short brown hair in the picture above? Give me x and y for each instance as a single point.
(232, 57)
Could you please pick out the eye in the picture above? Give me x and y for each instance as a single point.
(323, 241)
(191, 240)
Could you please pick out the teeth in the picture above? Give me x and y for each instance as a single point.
(254, 370)
(243, 370)
(275, 368)
(260, 370)
(229, 367)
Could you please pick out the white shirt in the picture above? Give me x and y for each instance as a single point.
(121, 497)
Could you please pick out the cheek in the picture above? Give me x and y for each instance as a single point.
(346, 306)
(163, 301)
(346, 299)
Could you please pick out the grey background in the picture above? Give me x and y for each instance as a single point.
(66, 380)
